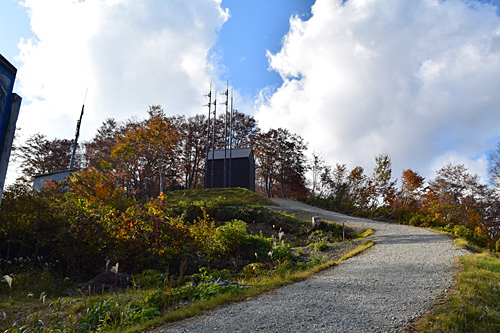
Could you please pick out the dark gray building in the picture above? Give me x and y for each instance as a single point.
(240, 169)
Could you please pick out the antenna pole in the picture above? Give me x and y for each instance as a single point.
(231, 140)
(213, 141)
(77, 134)
(209, 95)
(225, 133)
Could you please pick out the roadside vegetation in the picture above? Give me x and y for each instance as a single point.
(80, 257)
(473, 303)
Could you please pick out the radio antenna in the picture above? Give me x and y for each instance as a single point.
(77, 133)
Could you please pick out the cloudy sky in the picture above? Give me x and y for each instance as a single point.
(418, 80)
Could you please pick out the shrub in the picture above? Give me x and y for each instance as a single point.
(320, 246)
(282, 253)
(231, 236)
(149, 279)
(258, 247)
(206, 274)
(254, 270)
(464, 232)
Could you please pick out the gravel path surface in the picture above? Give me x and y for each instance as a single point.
(382, 290)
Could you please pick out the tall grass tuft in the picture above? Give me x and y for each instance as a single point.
(8, 279)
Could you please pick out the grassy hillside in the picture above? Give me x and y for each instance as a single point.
(87, 260)
(233, 196)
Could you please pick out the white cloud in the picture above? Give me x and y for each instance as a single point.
(415, 79)
(130, 54)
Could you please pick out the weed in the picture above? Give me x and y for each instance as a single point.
(320, 245)
(8, 279)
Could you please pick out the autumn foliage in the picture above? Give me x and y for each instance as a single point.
(455, 200)
(117, 205)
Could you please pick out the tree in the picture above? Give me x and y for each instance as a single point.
(193, 141)
(362, 191)
(244, 128)
(336, 185)
(266, 160)
(98, 151)
(385, 188)
(494, 167)
(145, 152)
(281, 160)
(455, 186)
(457, 197)
(411, 191)
(38, 155)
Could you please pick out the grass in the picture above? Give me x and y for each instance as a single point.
(469, 245)
(233, 196)
(364, 234)
(66, 312)
(258, 287)
(474, 305)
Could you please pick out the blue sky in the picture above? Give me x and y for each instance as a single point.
(14, 26)
(254, 28)
(417, 80)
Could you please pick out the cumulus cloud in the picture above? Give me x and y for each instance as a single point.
(129, 54)
(415, 79)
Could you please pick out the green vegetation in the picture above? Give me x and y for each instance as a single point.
(82, 256)
(474, 306)
(364, 234)
(232, 196)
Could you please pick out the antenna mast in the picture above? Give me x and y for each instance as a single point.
(77, 134)
(213, 141)
(225, 133)
(209, 95)
(231, 140)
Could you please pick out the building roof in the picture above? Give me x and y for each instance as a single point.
(53, 173)
(8, 66)
(234, 153)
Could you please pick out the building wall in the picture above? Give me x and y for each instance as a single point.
(40, 181)
(242, 173)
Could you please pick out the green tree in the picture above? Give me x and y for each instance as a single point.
(385, 187)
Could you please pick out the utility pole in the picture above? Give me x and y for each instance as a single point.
(209, 95)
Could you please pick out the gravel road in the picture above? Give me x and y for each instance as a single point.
(382, 290)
